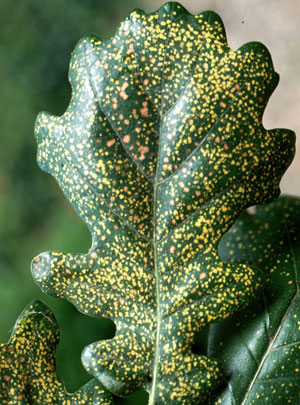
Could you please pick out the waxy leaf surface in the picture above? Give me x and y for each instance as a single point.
(28, 368)
(160, 149)
(260, 346)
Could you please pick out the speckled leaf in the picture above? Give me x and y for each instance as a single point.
(28, 368)
(160, 149)
(260, 346)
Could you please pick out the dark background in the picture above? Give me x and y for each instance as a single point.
(36, 39)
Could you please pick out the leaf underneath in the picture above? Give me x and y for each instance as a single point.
(260, 346)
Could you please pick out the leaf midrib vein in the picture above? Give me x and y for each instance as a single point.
(155, 253)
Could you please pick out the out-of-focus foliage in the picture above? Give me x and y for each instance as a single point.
(36, 38)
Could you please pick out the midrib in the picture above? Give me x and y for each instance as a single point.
(157, 284)
(158, 325)
(155, 241)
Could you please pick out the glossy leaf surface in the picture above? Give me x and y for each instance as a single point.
(28, 368)
(260, 346)
(160, 149)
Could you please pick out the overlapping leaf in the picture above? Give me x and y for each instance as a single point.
(160, 149)
(27, 365)
(260, 346)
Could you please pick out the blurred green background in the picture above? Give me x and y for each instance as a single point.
(36, 39)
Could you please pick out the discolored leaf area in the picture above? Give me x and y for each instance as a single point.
(28, 368)
(260, 346)
(161, 147)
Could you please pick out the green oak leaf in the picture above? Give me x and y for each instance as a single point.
(161, 148)
(260, 346)
(28, 368)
